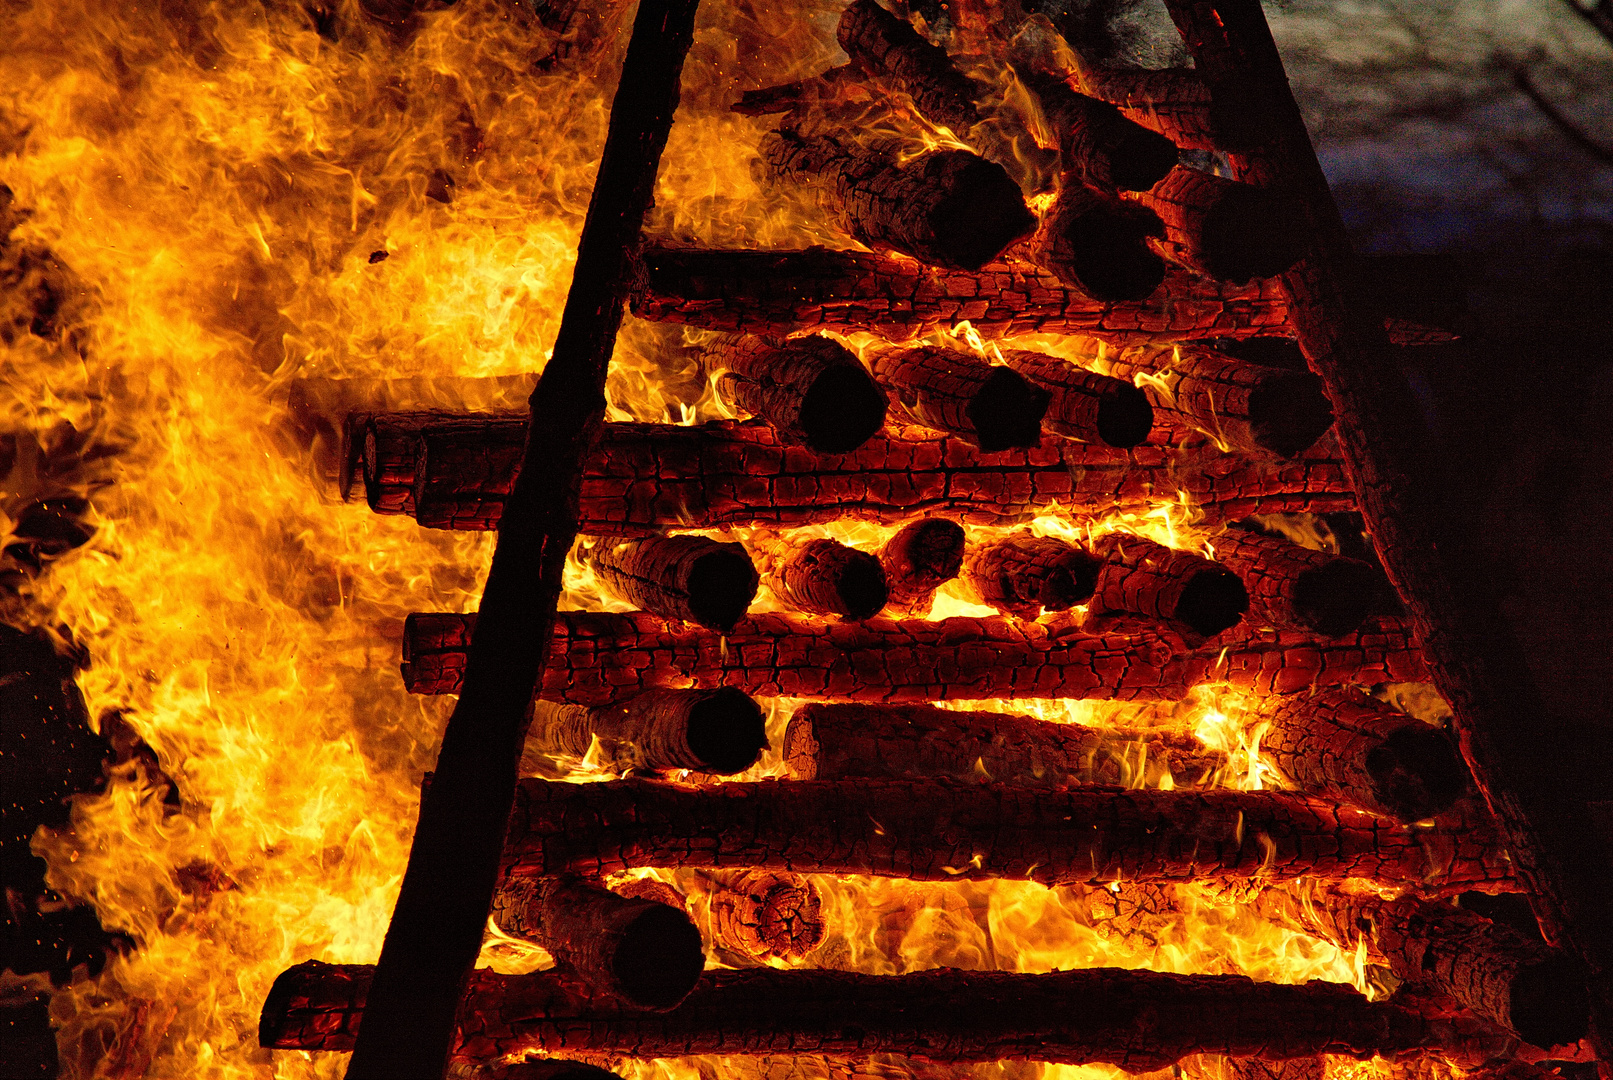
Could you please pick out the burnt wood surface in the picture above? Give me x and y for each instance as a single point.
(1096, 143)
(436, 928)
(1025, 575)
(764, 914)
(986, 405)
(1172, 101)
(812, 390)
(1292, 587)
(921, 557)
(1138, 575)
(1225, 229)
(826, 577)
(692, 578)
(882, 45)
(1265, 661)
(1086, 405)
(1097, 243)
(719, 731)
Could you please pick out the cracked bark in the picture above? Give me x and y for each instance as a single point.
(1291, 587)
(1086, 405)
(719, 731)
(1225, 229)
(812, 390)
(690, 578)
(764, 914)
(1174, 102)
(986, 405)
(1105, 149)
(920, 558)
(1098, 243)
(1285, 661)
(825, 577)
(1182, 587)
(1025, 575)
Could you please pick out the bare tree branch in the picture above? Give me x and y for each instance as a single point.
(1526, 86)
(1599, 13)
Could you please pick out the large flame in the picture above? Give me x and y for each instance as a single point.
(235, 199)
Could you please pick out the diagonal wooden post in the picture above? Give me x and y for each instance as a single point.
(1521, 755)
(436, 928)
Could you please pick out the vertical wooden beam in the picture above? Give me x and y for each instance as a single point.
(436, 928)
(1524, 759)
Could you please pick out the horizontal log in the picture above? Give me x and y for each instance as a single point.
(1105, 149)
(763, 914)
(921, 557)
(813, 390)
(1292, 587)
(642, 477)
(643, 954)
(691, 578)
(1098, 244)
(1225, 229)
(1343, 744)
(772, 292)
(545, 1069)
(986, 405)
(825, 577)
(943, 831)
(1136, 1020)
(1140, 576)
(948, 208)
(915, 742)
(1086, 405)
(1173, 101)
(599, 658)
(1285, 661)
(1025, 575)
(720, 731)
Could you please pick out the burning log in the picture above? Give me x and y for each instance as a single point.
(1098, 243)
(915, 742)
(641, 477)
(547, 1069)
(920, 558)
(1174, 102)
(1525, 986)
(1347, 745)
(792, 96)
(1096, 142)
(1248, 407)
(1287, 661)
(681, 577)
(986, 405)
(764, 914)
(946, 1015)
(944, 831)
(825, 577)
(1297, 588)
(1179, 586)
(719, 731)
(1025, 575)
(1225, 229)
(600, 658)
(882, 45)
(771, 292)
(643, 954)
(812, 390)
(949, 207)
(1086, 406)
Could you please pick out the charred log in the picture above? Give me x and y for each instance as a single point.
(1178, 586)
(987, 405)
(813, 391)
(719, 731)
(915, 742)
(546, 1069)
(1026, 575)
(1085, 1016)
(825, 577)
(1225, 229)
(643, 954)
(949, 207)
(601, 658)
(1296, 588)
(1526, 986)
(1174, 102)
(1098, 243)
(1344, 744)
(764, 914)
(1096, 142)
(791, 96)
(1285, 661)
(920, 558)
(944, 831)
(681, 577)
(771, 292)
(1086, 405)
(882, 45)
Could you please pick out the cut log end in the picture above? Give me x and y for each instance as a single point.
(1287, 415)
(1141, 158)
(1416, 773)
(727, 731)
(1125, 417)
(843, 409)
(659, 958)
(1007, 412)
(829, 578)
(721, 588)
(1214, 600)
(1101, 248)
(1550, 1002)
(1252, 234)
(983, 212)
(1337, 598)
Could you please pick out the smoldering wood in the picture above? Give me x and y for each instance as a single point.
(986, 405)
(922, 556)
(1224, 229)
(915, 742)
(1292, 587)
(826, 577)
(812, 390)
(1341, 743)
(642, 477)
(643, 954)
(1097, 243)
(880, 44)
(763, 914)
(1264, 661)
(1140, 576)
(720, 731)
(773, 292)
(600, 658)
(792, 96)
(692, 578)
(548, 1069)
(1086, 405)
(949, 208)
(1248, 407)
(1526, 986)
(1086, 1016)
(1172, 101)
(1025, 575)
(1107, 150)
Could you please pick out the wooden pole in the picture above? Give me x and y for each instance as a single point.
(436, 928)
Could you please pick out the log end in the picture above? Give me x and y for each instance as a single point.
(983, 212)
(1140, 158)
(842, 409)
(1550, 1002)
(658, 958)
(315, 1006)
(1252, 233)
(1213, 600)
(862, 588)
(1069, 583)
(1102, 249)
(1007, 412)
(1289, 412)
(1336, 599)
(1416, 773)
(931, 552)
(722, 586)
(727, 731)
(1125, 417)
